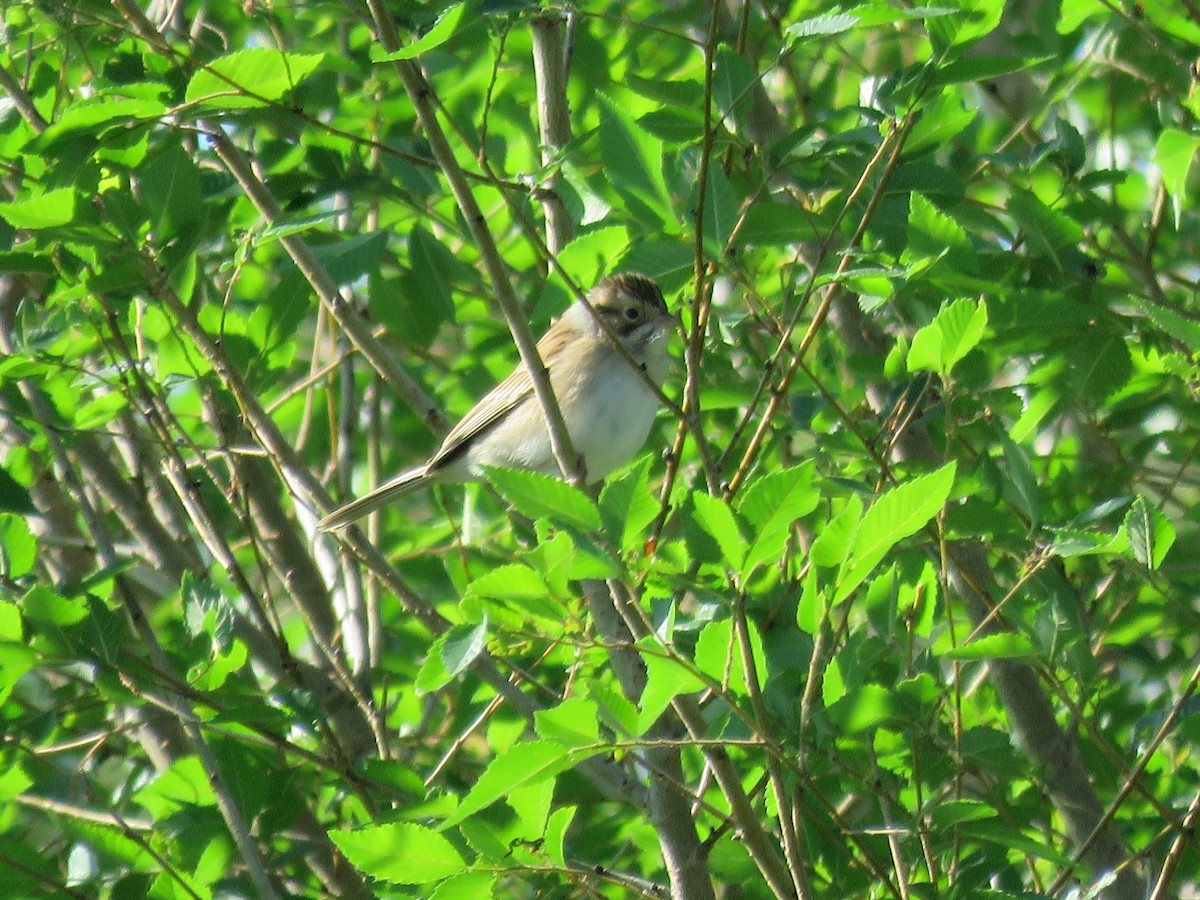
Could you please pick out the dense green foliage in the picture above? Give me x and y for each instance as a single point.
(899, 600)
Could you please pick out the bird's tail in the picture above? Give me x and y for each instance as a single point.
(376, 499)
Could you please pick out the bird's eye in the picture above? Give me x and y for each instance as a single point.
(632, 313)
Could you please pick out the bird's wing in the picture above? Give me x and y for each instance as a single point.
(497, 403)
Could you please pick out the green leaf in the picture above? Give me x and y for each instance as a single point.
(720, 213)
(972, 20)
(666, 678)
(633, 166)
(99, 411)
(940, 121)
(509, 582)
(665, 260)
(589, 257)
(1182, 329)
(13, 782)
(820, 26)
(48, 210)
(899, 513)
(170, 189)
(25, 263)
(450, 655)
(531, 803)
(1173, 154)
(14, 498)
(719, 655)
(732, 85)
(1003, 834)
(11, 629)
(950, 812)
(983, 68)
(104, 109)
(865, 708)
(1099, 367)
(1150, 533)
(349, 259)
(617, 712)
(1005, 645)
(673, 125)
(573, 723)
(627, 506)
(1070, 542)
(42, 604)
(933, 235)
(953, 333)
(1049, 232)
(462, 646)
(771, 504)
(831, 549)
(811, 609)
(541, 496)
(556, 832)
(228, 82)
(529, 762)
(716, 520)
(206, 610)
(291, 224)
(182, 785)
(769, 223)
(431, 264)
(466, 886)
(926, 350)
(15, 659)
(399, 852)
(443, 29)
(1020, 482)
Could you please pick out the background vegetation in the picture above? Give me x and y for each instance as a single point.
(900, 600)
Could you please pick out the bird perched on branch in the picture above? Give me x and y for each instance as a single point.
(605, 401)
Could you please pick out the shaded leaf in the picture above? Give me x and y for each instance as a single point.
(14, 497)
(1150, 533)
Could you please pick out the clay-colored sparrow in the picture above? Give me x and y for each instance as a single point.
(607, 406)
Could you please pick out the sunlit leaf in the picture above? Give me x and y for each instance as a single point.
(900, 512)
(1008, 645)
(542, 496)
(46, 210)
(772, 504)
(400, 852)
(529, 762)
(1174, 153)
(249, 77)
(442, 30)
(712, 517)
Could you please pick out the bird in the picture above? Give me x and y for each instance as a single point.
(606, 403)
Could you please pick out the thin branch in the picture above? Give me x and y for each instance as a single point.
(419, 92)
